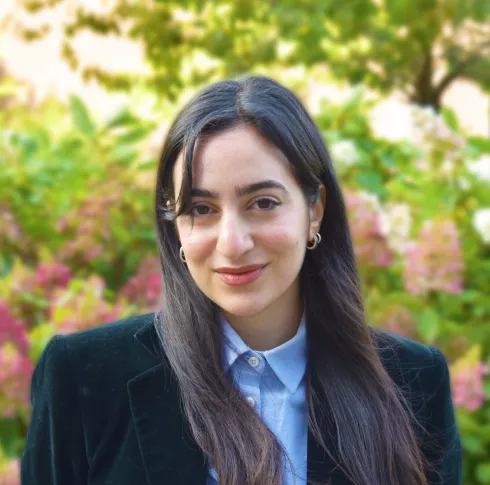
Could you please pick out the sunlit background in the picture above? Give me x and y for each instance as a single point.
(399, 89)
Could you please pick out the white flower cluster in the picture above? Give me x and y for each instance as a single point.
(344, 155)
(481, 222)
(372, 201)
(395, 225)
(395, 221)
(431, 135)
(480, 167)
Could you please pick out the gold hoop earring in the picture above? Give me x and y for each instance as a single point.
(316, 241)
(181, 254)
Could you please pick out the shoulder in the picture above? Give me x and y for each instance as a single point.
(98, 359)
(118, 334)
(417, 368)
(106, 341)
(79, 391)
(422, 374)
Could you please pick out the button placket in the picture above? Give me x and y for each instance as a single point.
(253, 374)
(251, 393)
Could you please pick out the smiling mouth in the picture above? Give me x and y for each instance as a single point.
(240, 270)
(240, 276)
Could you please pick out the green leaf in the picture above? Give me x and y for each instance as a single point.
(372, 182)
(483, 472)
(81, 117)
(483, 144)
(388, 161)
(28, 144)
(121, 118)
(472, 444)
(124, 154)
(355, 100)
(486, 388)
(134, 135)
(428, 325)
(30, 298)
(469, 295)
(9, 434)
(450, 118)
(147, 165)
(122, 234)
(39, 337)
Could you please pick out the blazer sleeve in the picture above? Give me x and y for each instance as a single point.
(443, 449)
(54, 453)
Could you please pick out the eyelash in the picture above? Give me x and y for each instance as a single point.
(275, 203)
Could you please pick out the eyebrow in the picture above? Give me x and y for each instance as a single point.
(241, 191)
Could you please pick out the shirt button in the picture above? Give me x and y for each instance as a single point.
(254, 361)
(251, 401)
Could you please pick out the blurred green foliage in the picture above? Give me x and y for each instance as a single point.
(417, 46)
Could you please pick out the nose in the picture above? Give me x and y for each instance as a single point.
(234, 238)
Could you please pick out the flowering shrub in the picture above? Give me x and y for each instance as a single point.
(467, 380)
(82, 306)
(419, 211)
(12, 330)
(78, 244)
(435, 262)
(481, 221)
(9, 470)
(15, 374)
(144, 288)
(370, 244)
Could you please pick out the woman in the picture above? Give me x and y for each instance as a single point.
(261, 368)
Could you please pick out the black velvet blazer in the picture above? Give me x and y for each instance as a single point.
(106, 411)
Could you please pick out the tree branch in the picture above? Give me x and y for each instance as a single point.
(458, 70)
(423, 83)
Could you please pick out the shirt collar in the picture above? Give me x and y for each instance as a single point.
(288, 361)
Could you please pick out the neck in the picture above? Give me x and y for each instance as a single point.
(272, 327)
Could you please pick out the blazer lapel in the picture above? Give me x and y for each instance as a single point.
(170, 454)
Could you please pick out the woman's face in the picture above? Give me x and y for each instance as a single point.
(247, 239)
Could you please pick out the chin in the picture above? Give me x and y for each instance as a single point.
(242, 306)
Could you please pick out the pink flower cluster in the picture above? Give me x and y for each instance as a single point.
(436, 139)
(9, 228)
(10, 472)
(15, 367)
(39, 284)
(144, 288)
(51, 276)
(82, 306)
(435, 261)
(15, 377)
(467, 385)
(397, 319)
(370, 244)
(88, 228)
(12, 329)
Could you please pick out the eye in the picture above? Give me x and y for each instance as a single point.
(266, 203)
(200, 210)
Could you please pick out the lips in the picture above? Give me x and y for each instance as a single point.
(240, 270)
(240, 276)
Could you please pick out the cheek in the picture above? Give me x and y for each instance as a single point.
(285, 235)
(197, 245)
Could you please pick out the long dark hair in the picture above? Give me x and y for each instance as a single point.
(348, 387)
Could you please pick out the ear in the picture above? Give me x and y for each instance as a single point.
(316, 213)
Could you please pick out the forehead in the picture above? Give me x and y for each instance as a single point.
(237, 155)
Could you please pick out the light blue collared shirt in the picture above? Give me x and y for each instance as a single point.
(274, 383)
